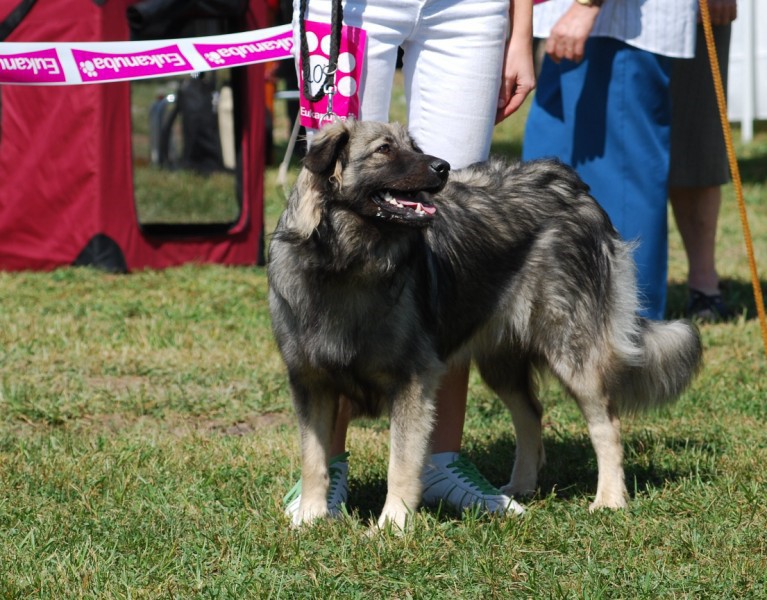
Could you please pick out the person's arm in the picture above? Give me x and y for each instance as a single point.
(518, 78)
(569, 35)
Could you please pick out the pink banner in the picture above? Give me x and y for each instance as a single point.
(39, 65)
(153, 63)
(67, 63)
(351, 54)
(233, 55)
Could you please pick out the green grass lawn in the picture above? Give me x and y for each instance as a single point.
(147, 439)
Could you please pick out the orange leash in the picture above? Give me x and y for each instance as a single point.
(734, 169)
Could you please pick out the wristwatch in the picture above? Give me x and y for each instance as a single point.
(590, 2)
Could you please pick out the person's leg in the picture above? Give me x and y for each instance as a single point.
(644, 115)
(452, 65)
(620, 107)
(699, 167)
(698, 150)
(696, 211)
(608, 117)
(344, 417)
(451, 411)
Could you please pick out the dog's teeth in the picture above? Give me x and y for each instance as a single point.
(419, 209)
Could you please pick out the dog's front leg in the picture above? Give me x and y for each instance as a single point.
(412, 419)
(316, 419)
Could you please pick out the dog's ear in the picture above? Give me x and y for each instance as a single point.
(305, 204)
(326, 147)
(321, 165)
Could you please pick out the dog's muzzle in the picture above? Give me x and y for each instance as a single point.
(413, 207)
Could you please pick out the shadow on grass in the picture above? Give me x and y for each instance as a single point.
(571, 466)
(570, 473)
(754, 166)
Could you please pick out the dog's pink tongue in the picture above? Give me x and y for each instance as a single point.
(427, 208)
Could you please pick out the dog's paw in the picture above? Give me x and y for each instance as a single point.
(394, 518)
(396, 524)
(520, 490)
(306, 515)
(377, 528)
(614, 502)
(523, 482)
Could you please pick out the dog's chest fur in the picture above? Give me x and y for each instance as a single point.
(364, 330)
(358, 318)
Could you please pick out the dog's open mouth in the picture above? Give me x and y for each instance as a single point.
(406, 207)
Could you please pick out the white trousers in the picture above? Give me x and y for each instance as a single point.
(452, 63)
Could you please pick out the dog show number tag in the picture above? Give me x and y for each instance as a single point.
(343, 100)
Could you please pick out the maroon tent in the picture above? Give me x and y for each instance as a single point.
(66, 165)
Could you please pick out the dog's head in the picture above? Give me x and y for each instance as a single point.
(372, 169)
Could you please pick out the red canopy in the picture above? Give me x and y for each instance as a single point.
(66, 169)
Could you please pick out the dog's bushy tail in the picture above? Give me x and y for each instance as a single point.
(670, 356)
(656, 360)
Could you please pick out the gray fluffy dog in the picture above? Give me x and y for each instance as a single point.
(386, 267)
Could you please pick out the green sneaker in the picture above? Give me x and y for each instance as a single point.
(454, 480)
(338, 489)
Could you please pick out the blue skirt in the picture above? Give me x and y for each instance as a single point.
(609, 118)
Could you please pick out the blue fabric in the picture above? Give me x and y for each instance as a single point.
(609, 117)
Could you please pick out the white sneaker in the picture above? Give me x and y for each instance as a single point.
(338, 488)
(452, 479)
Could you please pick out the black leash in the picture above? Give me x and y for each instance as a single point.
(15, 17)
(328, 86)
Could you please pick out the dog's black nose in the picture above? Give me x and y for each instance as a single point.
(440, 166)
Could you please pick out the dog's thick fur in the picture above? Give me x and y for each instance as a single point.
(512, 265)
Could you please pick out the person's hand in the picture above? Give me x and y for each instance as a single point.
(518, 79)
(723, 12)
(568, 37)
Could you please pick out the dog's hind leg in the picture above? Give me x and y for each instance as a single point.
(604, 429)
(530, 457)
(412, 418)
(515, 387)
(316, 417)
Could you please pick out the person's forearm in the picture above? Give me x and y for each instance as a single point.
(518, 76)
(521, 21)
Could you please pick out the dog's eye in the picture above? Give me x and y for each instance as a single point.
(383, 149)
